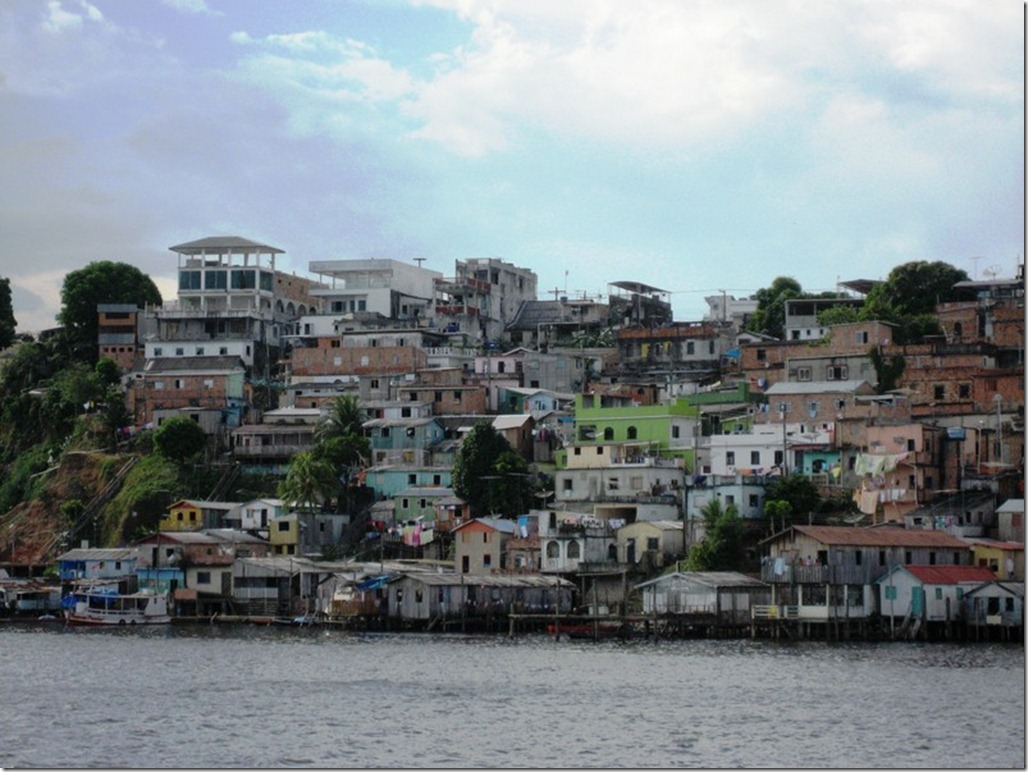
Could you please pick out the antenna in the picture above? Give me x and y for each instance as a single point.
(420, 260)
(992, 271)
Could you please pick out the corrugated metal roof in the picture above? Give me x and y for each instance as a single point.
(817, 387)
(98, 553)
(488, 580)
(511, 421)
(951, 574)
(709, 578)
(841, 535)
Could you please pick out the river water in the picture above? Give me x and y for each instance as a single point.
(245, 696)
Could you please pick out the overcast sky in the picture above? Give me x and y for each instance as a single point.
(694, 145)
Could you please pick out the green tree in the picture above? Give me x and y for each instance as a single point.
(913, 289)
(179, 439)
(796, 490)
(107, 372)
(99, 282)
(481, 465)
(721, 548)
(769, 318)
(309, 483)
(8, 324)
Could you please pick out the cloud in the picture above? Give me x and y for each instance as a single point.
(191, 6)
(58, 19)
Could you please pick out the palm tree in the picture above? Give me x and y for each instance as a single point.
(345, 419)
(309, 482)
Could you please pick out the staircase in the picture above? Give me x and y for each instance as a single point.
(108, 492)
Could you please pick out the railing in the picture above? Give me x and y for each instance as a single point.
(269, 451)
(794, 573)
(776, 612)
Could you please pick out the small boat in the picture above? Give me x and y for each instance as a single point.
(104, 605)
(586, 629)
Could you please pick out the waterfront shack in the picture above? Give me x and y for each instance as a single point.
(995, 608)
(723, 599)
(430, 598)
(913, 596)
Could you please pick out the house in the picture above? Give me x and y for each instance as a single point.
(428, 596)
(1005, 558)
(829, 572)
(165, 384)
(273, 586)
(96, 563)
(192, 515)
(414, 503)
(996, 605)
(573, 541)
(479, 544)
(1010, 520)
(517, 429)
(725, 596)
(928, 593)
(257, 514)
(387, 480)
(651, 545)
(306, 533)
(278, 437)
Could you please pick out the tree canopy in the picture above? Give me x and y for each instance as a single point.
(8, 324)
(489, 475)
(309, 483)
(721, 548)
(99, 282)
(907, 298)
(179, 439)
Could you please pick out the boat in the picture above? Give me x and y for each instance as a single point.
(585, 629)
(104, 605)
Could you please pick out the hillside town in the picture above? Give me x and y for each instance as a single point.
(639, 447)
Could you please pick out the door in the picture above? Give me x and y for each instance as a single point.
(917, 602)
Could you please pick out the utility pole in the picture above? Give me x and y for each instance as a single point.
(783, 408)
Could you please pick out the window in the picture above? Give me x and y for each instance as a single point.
(964, 390)
(938, 593)
(568, 485)
(858, 557)
(283, 526)
(633, 433)
(608, 433)
(860, 336)
(574, 550)
(675, 432)
(881, 558)
(405, 503)
(690, 347)
(754, 500)
(203, 577)
(374, 383)
(456, 396)
(803, 374)
(956, 558)
(487, 560)
(189, 280)
(243, 279)
(908, 557)
(730, 458)
(412, 479)
(939, 391)
(652, 543)
(485, 538)
(215, 280)
(890, 592)
(761, 354)
(755, 457)
(158, 351)
(931, 558)
(838, 373)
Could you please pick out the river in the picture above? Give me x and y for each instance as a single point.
(246, 696)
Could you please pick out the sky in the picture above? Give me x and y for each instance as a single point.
(699, 146)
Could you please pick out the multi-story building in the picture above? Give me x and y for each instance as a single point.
(391, 288)
(482, 298)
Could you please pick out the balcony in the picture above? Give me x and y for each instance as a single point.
(794, 573)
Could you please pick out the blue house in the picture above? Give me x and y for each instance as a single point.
(96, 563)
(389, 480)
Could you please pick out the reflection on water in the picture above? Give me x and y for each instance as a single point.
(231, 696)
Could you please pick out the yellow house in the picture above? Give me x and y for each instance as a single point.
(1005, 558)
(183, 515)
(284, 534)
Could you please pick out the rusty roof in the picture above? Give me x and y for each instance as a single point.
(847, 536)
(951, 574)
